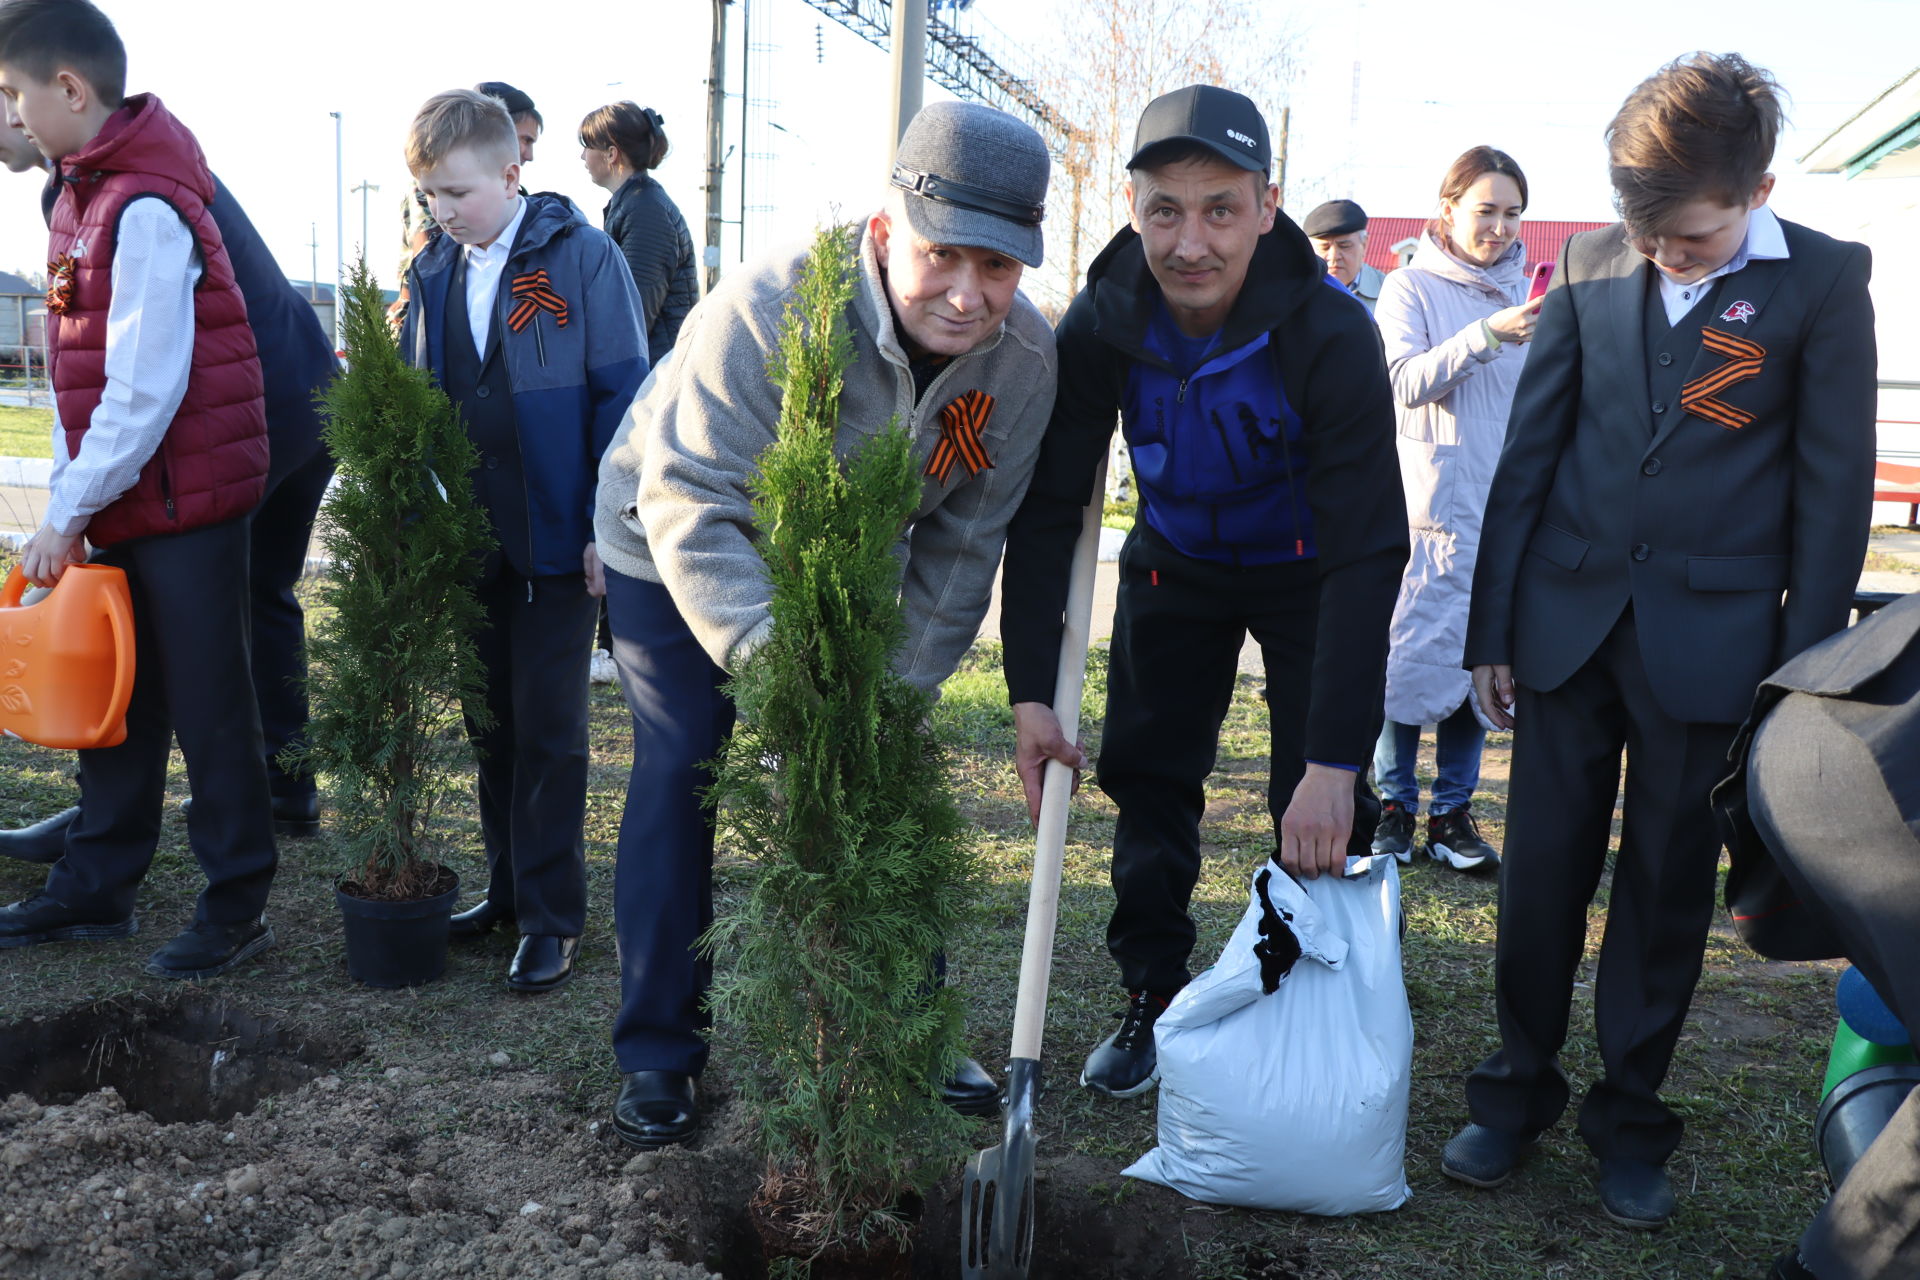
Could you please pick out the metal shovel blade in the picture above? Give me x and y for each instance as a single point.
(996, 1218)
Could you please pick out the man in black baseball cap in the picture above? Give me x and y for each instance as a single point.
(527, 124)
(1338, 230)
(1255, 402)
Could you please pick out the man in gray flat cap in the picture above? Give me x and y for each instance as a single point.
(941, 336)
(1338, 230)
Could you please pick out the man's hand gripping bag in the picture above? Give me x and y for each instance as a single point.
(1284, 1068)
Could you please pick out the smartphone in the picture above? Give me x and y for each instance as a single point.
(1542, 274)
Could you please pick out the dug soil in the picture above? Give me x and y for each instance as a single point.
(282, 1121)
(182, 1136)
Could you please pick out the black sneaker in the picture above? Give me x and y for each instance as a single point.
(1124, 1064)
(41, 918)
(1394, 835)
(1453, 839)
(208, 950)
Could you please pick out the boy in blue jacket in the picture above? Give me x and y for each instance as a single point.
(529, 319)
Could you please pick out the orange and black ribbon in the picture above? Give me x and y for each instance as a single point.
(1744, 360)
(532, 294)
(960, 426)
(60, 285)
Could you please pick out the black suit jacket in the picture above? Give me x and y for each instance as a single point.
(1599, 503)
(1870, 679)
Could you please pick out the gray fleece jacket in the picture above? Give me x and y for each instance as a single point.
(673, 505)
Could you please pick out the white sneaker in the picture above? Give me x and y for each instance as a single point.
(600, 668)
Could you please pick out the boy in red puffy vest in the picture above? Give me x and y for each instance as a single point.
(160, 453)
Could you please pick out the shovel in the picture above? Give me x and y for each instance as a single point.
(997, 1217)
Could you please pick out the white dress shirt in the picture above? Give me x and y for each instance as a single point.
(484, 269)
(1765, 242)
(149, 356)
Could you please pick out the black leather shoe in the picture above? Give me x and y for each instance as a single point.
(542, 963)
(40, 918)
(971, 1091)
(294, 816)
(655, 1109)
(478, 919)
(1124, 1064)
(1635, 1193)
(1483, 1157)
(1788, 1266)
(44, 841)
(208, 950)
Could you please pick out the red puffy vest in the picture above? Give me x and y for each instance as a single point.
(212, 463)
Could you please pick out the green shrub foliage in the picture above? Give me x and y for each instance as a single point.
(837, 788)
(393, 656)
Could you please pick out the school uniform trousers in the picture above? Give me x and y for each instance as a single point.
(280, 531)
(534, 649)
(190, 621)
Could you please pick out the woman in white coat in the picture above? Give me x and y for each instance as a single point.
(1455, 323)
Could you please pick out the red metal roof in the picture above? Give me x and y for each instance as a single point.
(1543, 239)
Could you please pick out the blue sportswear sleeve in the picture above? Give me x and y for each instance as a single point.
(616, 344)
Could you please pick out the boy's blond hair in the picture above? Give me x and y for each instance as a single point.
(461, 118)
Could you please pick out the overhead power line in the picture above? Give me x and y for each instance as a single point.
(956, 62)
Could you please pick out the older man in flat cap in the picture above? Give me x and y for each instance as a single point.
(942, 336)
(1338, 230)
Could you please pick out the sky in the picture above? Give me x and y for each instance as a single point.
(257, 82)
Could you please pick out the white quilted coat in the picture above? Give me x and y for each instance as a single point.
(1451, 394)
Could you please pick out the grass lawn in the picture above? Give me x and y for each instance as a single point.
(25, 433)
(1746, 1077)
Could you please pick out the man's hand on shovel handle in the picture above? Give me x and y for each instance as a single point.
(1038, 740)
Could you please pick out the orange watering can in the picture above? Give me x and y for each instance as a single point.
(66, 661)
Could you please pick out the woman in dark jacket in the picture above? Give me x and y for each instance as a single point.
(620, 143)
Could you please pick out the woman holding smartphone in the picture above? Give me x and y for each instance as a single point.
(1455, 322)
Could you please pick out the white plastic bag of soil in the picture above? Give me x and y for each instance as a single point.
(1284, 1068)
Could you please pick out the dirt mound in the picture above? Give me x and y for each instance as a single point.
(360, 1178)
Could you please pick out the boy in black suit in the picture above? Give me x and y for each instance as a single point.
(1681, 506)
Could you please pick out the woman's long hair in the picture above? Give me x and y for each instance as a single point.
(634, 129)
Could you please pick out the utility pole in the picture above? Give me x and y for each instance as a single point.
(909, 66)
(1280, 181)
(716, 140)
(363, 188)
(339, 232)
(313, 281)
(746, 117)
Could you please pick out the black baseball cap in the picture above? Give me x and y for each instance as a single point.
(517, 101)
(1220, 120)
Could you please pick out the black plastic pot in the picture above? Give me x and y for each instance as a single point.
(396, 944)
(1857, 1110)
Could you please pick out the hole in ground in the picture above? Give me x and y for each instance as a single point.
(180, 1058)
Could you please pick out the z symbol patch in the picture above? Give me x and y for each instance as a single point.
(1741, 311)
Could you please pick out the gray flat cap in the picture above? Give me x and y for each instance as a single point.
(1335, 218)
(974, 176)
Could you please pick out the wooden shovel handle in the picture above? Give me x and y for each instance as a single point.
(1043, 899)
